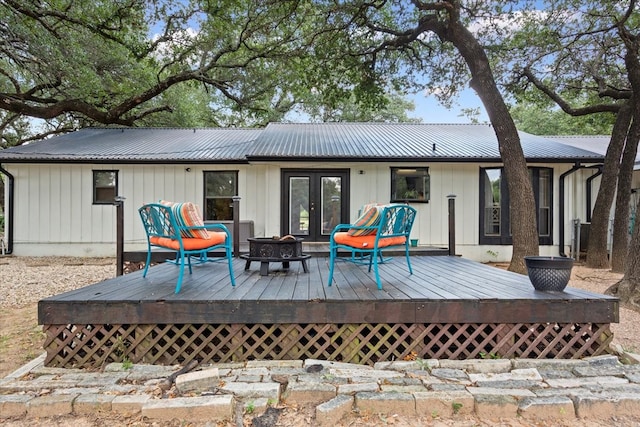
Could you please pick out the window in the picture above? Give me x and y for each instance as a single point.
(410, 185)
(219, 189)
(492, 209)
(105, 187)
(495, 227)
(542, 188)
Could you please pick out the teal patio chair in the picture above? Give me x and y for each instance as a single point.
(379, 228)
(170, 227)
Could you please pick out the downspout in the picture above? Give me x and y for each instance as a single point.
(8, 226)
(576, 167)
(589, 186)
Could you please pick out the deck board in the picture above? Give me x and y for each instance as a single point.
(442, 289)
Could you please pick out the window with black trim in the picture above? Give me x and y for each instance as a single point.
(410, 184)
(105, 186)
(495, 227)
(219, 189)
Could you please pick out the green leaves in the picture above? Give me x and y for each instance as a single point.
(192, 63)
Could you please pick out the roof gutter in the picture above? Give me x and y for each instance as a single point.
(8, 226)
(576, 167)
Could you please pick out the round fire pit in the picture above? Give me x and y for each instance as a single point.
(267, 249)
(549, 273)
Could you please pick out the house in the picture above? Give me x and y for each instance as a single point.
(299, 179)
(599, 144)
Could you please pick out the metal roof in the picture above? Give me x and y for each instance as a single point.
(290, 141)
(132, 145)
(400, 141)
(596, 143)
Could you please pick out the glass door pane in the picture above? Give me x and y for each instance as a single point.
(492, 202)
(544, 202)
(331, 199)
(299, 205)
(314, 202)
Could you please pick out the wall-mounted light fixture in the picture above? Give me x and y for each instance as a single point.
(406, 171)
(187, 169)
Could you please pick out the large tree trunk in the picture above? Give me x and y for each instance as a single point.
(628, 289)
(522, 202)
(620, 242)
(597, 255)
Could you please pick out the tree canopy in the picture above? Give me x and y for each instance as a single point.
(547, 120)
(120, 63)
(583, 57)
(66, 64)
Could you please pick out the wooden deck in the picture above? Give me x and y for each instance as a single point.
(449, 308)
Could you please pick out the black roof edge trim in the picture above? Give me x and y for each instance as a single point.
(306, 159)
(418, 159)
(128, 162)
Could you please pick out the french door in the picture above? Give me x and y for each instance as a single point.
(314, 202)
(495, 225)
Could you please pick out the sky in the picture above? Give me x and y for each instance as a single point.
(430, 111)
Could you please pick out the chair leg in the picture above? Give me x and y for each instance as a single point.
(146, 264)
(181, 274)
(408, 259)
(229, 260)
(375, 268)
(188, 257)
(332, 255)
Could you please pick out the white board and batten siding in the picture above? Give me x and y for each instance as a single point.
(54, 213)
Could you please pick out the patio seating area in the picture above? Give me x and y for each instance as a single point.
(178, 227)
(379, 228)
(449, 308)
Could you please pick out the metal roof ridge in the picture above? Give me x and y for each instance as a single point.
(168, 128)
(575, 136)
(377, 123)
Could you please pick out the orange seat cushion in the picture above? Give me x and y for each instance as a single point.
(367, 242)
(190, 244)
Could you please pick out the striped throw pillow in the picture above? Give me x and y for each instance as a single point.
(188, 215)
(370, 218)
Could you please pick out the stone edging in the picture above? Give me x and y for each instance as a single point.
(595, 387)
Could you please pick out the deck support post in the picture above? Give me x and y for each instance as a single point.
(452, 224)
(236, 226)
(504, 340)
(118, 202)
(144, 344)
(236, 350)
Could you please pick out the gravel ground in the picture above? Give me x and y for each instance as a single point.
(26, 280)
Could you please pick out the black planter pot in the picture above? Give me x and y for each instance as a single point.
(549, 273)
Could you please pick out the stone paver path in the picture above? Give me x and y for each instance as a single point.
(526, 389)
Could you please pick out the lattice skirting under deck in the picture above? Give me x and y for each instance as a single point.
(95, 345)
